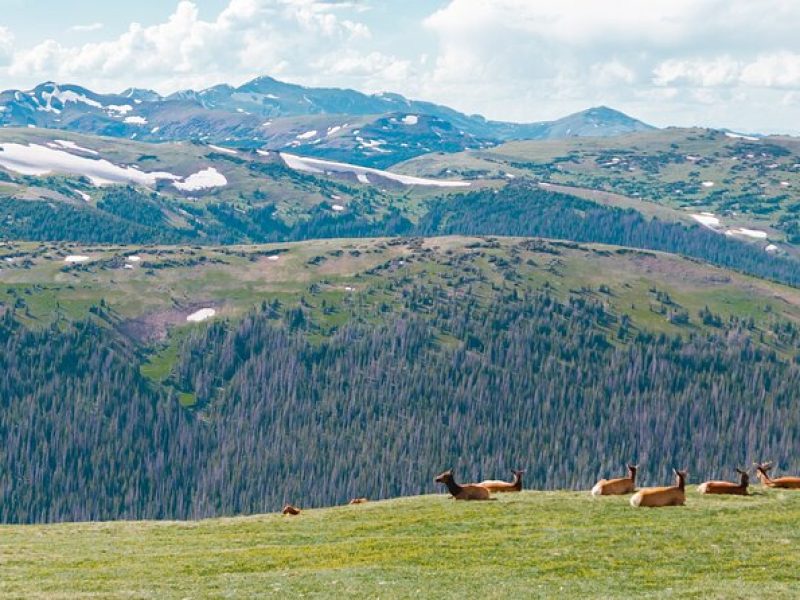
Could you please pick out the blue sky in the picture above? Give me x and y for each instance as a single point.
(721, 63)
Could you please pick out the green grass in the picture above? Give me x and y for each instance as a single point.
(171, 282)
(654, 176)
(534, 544)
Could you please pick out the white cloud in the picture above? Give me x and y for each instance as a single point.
(6, 45)
(537, 58)
(247, 38)
(87, 28)
(666, 61)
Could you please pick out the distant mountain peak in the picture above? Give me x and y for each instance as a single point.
(375, 129)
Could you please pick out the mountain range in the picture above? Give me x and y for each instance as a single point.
(373, 130)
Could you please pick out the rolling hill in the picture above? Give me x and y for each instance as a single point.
(741, 186)
(89, 189)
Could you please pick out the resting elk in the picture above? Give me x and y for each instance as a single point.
(358, 501)
(784, 483)
(471, 491)
(618, 486)
(727, 487)
(498, 486)
(291, 510)
(674, 495)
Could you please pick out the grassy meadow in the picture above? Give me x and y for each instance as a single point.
(528, 545)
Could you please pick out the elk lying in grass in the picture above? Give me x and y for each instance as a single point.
(291, 510)
(784, 483)
(498, 486)
(359, 501)
(617, 487)
(471, 491)
(674, 495)
(727, 487)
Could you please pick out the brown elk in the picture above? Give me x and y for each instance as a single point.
(784, 483)
(471, 491)
(674, 495)
(727, 487)
(359, 501)
(618, 486)
(498, 486)
(291, 510)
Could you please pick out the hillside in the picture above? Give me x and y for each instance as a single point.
(62, 186)
(200, 376)
(375, 130)
(741, 186)
(533, 545)
(103, 190)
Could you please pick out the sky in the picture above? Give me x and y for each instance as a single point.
(714, 63)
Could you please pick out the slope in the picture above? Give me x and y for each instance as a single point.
(323, 363)
(533, 545)
(740, 186)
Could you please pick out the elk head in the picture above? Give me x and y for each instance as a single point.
(745, 476)
(444, 477)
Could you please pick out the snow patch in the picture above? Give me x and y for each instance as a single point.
(135, 121)
(134, 259)
(707, 220)
(120, 109)
(307, 135)
(68, 96)
(207, 178)
(76, 258)
(751, 233)
(410, 120)
(707, 184)
(374, 145)
(337, 207)
(771, 248)
(201, 315)
(40, 160)
(316, 165)
(739, 136)
(223, 150)
(73, 146)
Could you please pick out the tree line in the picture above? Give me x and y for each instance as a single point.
(375, 409)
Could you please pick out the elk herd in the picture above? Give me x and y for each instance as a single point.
(672, 495)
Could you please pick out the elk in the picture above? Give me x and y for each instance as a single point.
(618, 486)
(471, 491)
(359, 501)
(291, 510)
(727, 487)
(674, 495)
(784, 483)
(498, 486)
